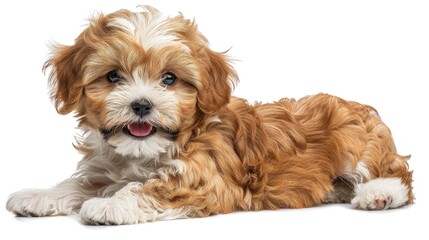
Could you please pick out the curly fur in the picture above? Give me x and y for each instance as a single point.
(212, 153)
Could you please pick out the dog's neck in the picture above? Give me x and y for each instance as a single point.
(102, 165)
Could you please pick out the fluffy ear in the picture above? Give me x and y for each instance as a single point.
(218, 79)
(65, 78)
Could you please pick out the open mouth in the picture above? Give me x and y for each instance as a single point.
(139, 130)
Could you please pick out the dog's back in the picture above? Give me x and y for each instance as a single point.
(300, 149)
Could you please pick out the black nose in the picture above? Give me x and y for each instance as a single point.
(141, 107)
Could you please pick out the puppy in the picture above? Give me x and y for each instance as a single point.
(164, 139)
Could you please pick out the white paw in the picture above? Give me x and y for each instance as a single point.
(380, 193)
(109, 211)
(35, 203)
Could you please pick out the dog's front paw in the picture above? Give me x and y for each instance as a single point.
(34, 203)
(379, 194)
(109, 211)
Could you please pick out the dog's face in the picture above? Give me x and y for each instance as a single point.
(141, 80)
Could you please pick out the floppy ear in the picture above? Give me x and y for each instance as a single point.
(218, 79)
(65, 78)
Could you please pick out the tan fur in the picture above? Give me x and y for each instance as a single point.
(238, 156)
(280, 155)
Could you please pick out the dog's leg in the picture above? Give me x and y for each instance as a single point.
(191, 188)
(62, 199)
(130, 205)
(382, 178)
(379, 175)
(383, 181)
(389, 187)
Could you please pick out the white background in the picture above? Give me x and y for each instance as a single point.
(375, 52)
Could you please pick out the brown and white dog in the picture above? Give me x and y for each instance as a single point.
(164, 139)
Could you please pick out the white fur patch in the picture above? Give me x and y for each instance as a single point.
(359, 174)
(150, 148)
(150, 30)
(127, 206)
(362, 171)
(390, 190)
(116, 170)
(63, 199)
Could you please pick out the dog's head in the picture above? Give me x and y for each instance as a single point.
(140, 79)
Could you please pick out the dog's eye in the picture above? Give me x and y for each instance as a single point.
(113, 76)
(168, 78)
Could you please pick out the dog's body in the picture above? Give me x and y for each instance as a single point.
(164, 138)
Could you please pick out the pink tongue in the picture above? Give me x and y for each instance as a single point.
(140, 129)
